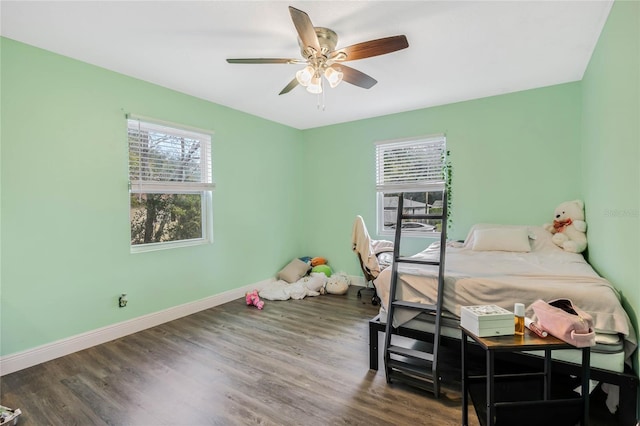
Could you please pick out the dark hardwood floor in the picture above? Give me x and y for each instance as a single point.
(298, 362)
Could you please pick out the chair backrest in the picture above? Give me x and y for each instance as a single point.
(361, 244)
(365, 270)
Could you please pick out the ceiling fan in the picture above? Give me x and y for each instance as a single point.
(318, 48)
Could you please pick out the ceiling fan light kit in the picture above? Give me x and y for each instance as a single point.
(323, 61)
(311, 78)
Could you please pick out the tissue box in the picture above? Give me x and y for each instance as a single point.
(487, 320)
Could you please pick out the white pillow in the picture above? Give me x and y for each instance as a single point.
(501, 239)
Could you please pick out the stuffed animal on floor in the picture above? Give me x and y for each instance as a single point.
(252, 298)
(318, 261)
(315, 282)
(338, 283)
(568, 227)
(324, 269)
(311, 285)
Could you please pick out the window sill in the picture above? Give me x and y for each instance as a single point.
(411, 234)
(143, 248)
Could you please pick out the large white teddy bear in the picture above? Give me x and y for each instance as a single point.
(569, 228)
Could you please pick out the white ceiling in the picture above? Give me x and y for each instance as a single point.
(458, 50)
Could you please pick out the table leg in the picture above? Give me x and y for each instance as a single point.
(491, 408)
(547, 375)
(586, 355)
(373, 347)
(465, 381)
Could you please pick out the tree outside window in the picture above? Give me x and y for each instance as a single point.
(170, 186)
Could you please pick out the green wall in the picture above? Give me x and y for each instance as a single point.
(515, 157)
(283, 192)
(65, 218)
(611, 152)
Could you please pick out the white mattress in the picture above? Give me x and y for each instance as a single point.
(502, 278)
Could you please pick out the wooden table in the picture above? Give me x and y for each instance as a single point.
(514, 343)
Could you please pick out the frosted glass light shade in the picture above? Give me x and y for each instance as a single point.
(305, 75)
(333, 76)
(315, 85)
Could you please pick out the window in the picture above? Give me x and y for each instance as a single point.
(170, 181)
(414, 167)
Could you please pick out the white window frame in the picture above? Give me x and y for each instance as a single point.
(424, 179)
(204, 187)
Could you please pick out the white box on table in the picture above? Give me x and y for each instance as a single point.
(487, 320)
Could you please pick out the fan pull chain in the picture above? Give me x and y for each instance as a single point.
(320, 106)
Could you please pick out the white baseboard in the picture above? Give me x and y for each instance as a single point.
(21, 360)
(357, 280)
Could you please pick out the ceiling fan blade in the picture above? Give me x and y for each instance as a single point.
(371, 48)
(305, 29)
(355, 77)
(293, 83)
(264, 61)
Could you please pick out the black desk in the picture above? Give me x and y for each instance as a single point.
(528, 342)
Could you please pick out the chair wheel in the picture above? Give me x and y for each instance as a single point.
(374, 301)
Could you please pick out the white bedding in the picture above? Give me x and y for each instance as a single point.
(309, 285)
(503, 278)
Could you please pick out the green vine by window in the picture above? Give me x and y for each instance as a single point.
(448, 175)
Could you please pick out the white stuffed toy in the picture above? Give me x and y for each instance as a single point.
(569, 228)
(310, 285)
(338, 283)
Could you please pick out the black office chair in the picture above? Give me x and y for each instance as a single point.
(375, 300)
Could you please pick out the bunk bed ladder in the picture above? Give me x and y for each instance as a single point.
(418, 365)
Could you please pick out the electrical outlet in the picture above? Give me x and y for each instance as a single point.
(122, 300)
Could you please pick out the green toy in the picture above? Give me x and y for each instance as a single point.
(325, 269)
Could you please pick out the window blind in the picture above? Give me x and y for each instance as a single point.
(168, 159)
(404, 165)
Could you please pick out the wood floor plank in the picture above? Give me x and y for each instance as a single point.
(297, 362)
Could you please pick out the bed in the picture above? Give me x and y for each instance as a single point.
(504, 264)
